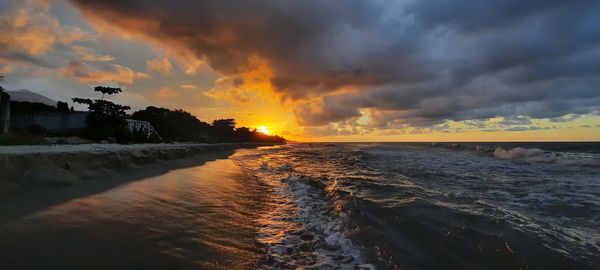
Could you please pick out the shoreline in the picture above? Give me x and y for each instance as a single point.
(66, 165)
(197, 212)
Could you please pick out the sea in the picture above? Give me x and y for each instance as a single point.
(334, 206)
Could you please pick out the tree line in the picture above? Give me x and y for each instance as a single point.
(109, 120)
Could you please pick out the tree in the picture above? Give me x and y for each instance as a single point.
(107, 90)
(244, 134)
(174, 125)
(106, 119)
(179, 125)
(224, 128)
(62, 107)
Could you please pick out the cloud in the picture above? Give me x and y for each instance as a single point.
(516, 120)
(4, 69)
(525, 128)
(88, 55)
(28, 33)
(15, 57)
(160, 65)
(564, 118)
(331, 109)
(251, 85)
(100, 72)
(165, 93)
(411, 63)
(188, 86)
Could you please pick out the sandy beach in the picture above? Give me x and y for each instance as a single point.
(63, 165)
(190, 213)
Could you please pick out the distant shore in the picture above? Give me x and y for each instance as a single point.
(63, 165)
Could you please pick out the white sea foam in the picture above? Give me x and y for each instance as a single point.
(301, 230)
(526, 154)
(541, 156)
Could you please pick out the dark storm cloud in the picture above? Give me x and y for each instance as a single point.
(421, 61)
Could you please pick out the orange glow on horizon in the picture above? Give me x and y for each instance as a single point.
(264, 130)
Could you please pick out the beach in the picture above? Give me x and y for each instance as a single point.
(191, 213)
(321, 206)
(60, 165)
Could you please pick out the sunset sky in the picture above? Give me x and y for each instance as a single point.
(381, 70)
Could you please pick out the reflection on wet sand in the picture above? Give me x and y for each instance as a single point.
(198, 217)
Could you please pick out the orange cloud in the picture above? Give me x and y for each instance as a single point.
(160, 65)
(188, 86)
(189, 62)
(166, 93)
(4, 69)
(105, 73)
(251, 84)
(30, 29)
(85, 54)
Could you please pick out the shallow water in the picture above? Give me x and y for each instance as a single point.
(334, 206)
(196, 218)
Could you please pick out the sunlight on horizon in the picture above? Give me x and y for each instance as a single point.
(263, 129)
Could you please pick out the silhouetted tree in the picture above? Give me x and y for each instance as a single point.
(174, 125)
(179, 125)
(106, 119)
(62, 107)
(243, 134)
(261, 137)
(107, 90)
(223, 128)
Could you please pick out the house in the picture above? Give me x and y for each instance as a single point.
(141, 126)
(40, 112)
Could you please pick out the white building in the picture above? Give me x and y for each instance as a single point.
(141, 126)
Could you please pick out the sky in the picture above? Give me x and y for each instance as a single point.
(354, 70)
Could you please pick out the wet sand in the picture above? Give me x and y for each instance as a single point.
(195, 213)
(62, 165)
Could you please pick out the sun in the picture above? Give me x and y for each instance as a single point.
(263, 129)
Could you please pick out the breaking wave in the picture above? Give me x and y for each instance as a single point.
(551, 153)
(524, 154)
(302, 229)
(411, 206)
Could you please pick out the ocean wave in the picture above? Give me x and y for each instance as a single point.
(409, 206)
(302, 229)
(526, 154)
(537, 155)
